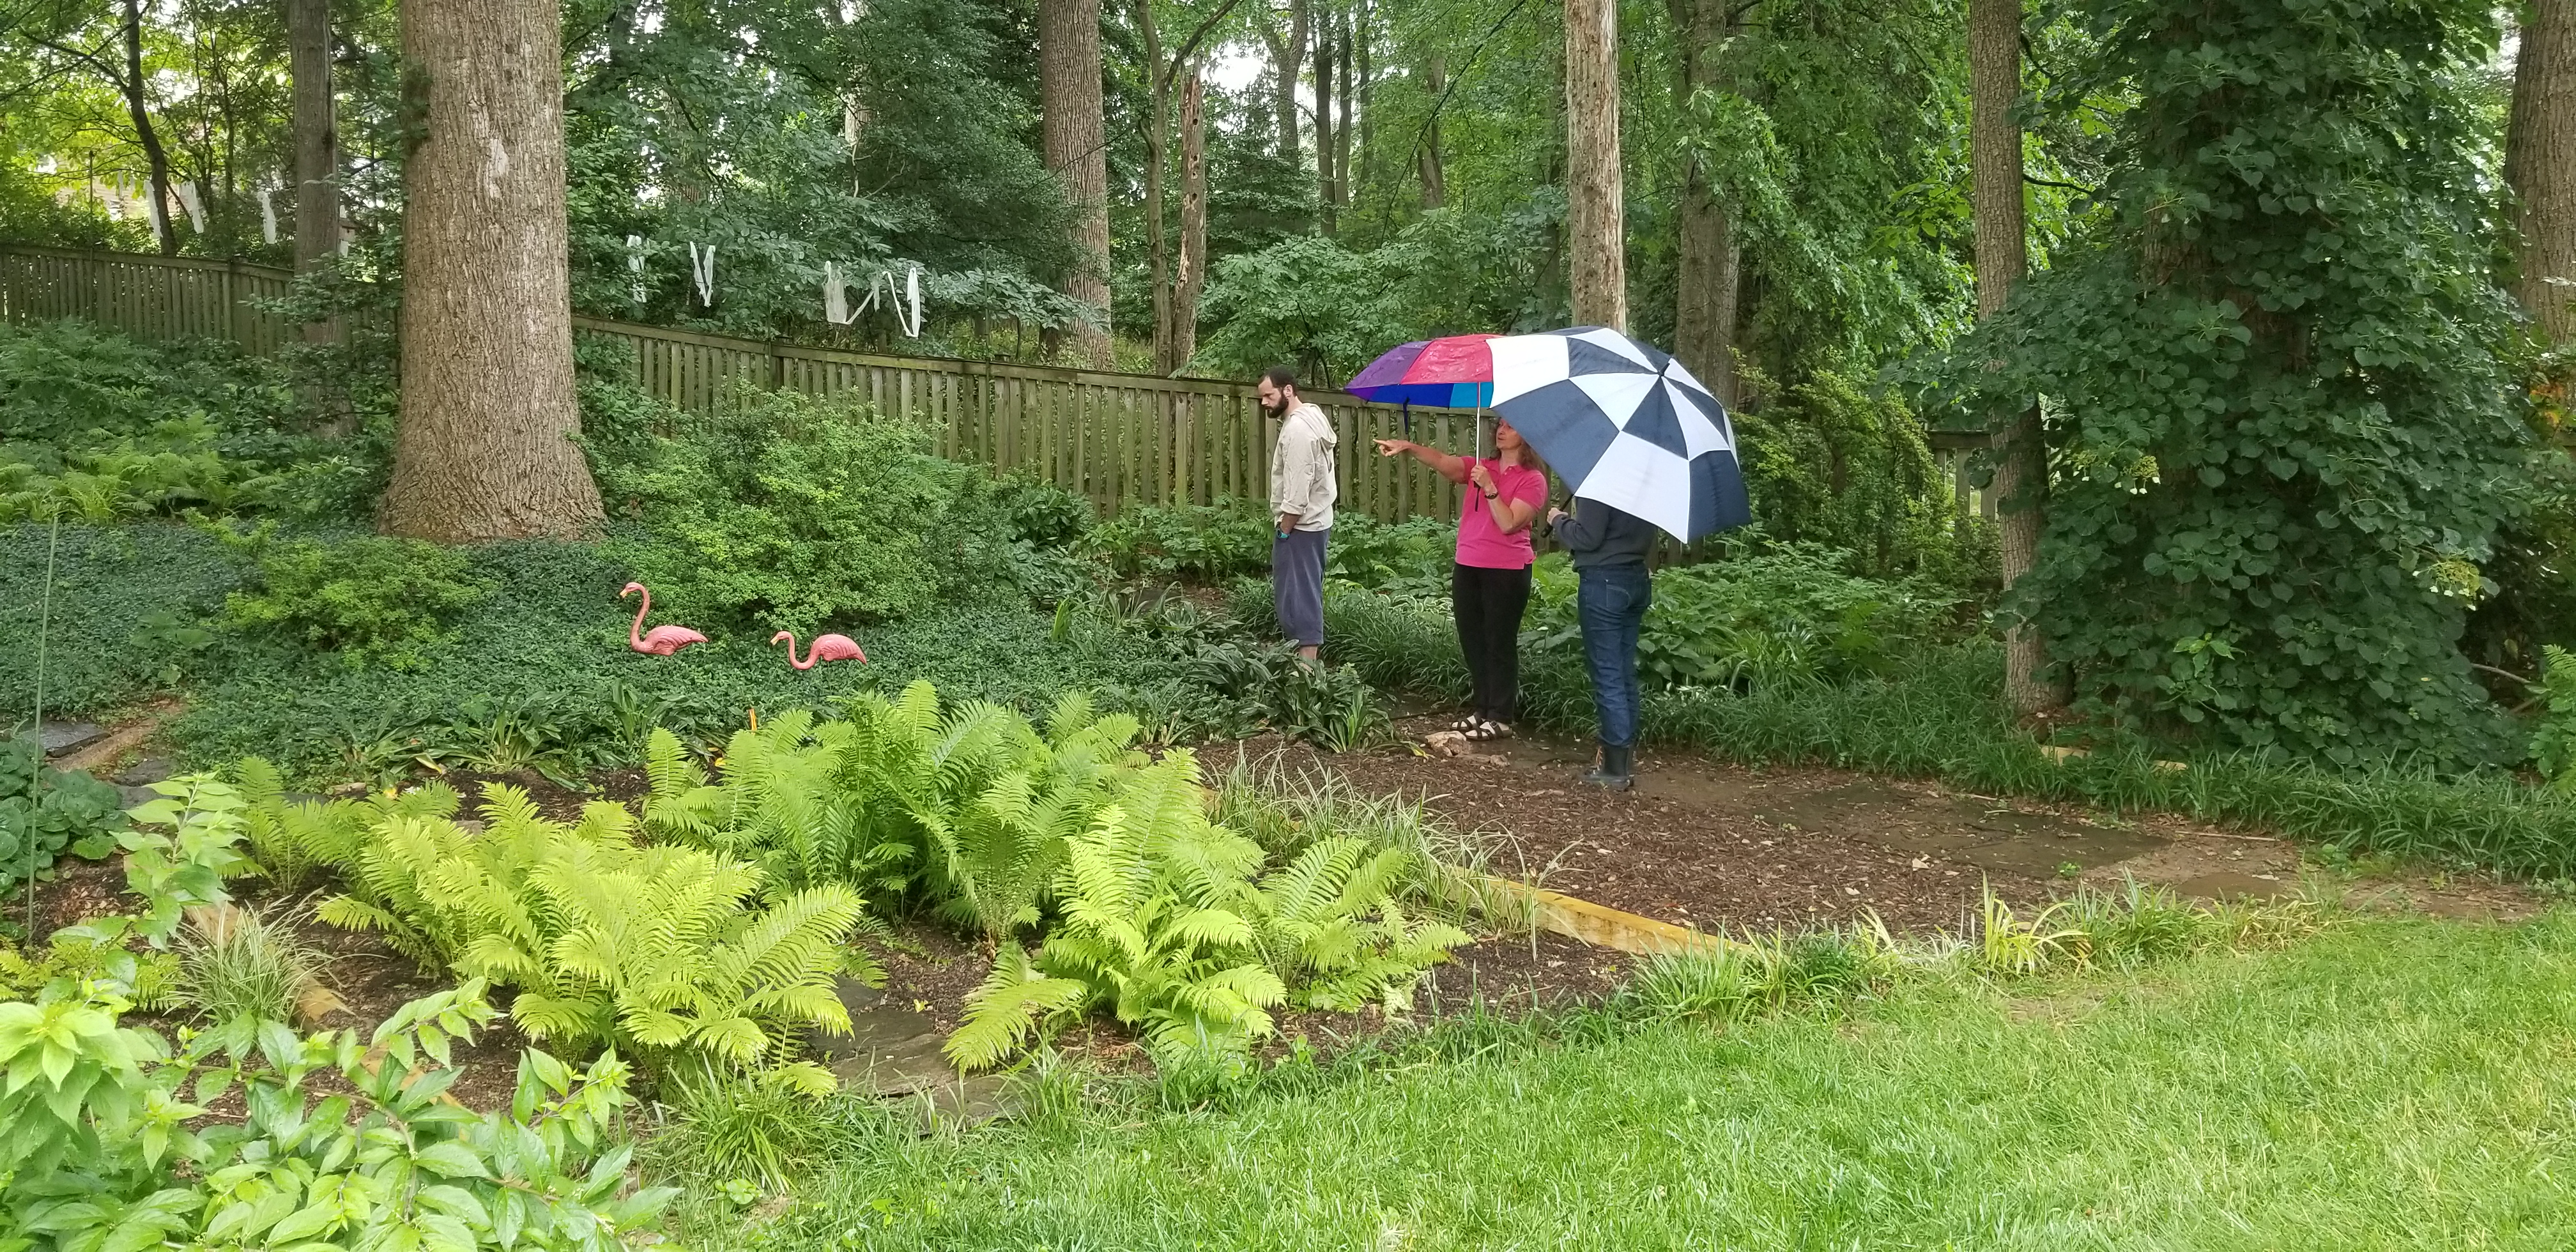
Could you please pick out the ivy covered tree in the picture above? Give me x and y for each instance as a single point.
(2282, 437)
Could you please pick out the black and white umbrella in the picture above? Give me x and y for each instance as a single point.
(1624, 424)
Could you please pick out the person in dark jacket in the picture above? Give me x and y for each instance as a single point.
(1611, 597)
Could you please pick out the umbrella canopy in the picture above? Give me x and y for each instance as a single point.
(1624, 424)
(1456, 372)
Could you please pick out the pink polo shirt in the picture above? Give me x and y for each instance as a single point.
(1481, 543)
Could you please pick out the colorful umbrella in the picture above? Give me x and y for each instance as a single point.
(1452, 373)
(1623, 424)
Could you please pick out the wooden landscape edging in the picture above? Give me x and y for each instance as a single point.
(1600, 925)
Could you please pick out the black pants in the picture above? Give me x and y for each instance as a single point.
(1488, 604)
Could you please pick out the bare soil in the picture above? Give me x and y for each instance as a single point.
(1715, 845)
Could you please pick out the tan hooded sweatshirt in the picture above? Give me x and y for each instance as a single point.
(1301, 469)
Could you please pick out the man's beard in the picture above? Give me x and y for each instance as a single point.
(1276, 408)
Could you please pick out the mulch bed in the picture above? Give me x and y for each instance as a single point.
(1698, 843)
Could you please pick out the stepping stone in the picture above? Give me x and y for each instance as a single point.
(914, 1066)
(62, 737)
(969, 1102)
(2229, 885)
(132, 796)
(149, 770)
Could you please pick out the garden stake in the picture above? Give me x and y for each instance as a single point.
(36, 785)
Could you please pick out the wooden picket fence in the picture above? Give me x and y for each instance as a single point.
(1119, 439)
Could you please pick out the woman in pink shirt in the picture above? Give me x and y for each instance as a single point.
(1490, 585)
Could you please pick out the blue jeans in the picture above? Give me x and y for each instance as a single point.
(1611, 603)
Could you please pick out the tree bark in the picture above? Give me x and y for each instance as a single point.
(156, 159)
(316, 132)
(1325, 148)
(485, 449)
(1435, 179)
(1355, 123)
(1157, 140)
(1077, 149)
(1288, 64)
(2540, 166)
(1595, 193)
(1711, 269)
(1192, 278)
(2021, 459)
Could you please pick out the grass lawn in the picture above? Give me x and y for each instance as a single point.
(2386, 1085)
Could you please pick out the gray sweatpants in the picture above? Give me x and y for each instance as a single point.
(1297, 585)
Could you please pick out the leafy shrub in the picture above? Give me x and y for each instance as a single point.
(148, 979)
(1831, 465)
(2301, 451)
(176, 469)
(69, 385)
(797, 512)
(44, 811)
(1411, 558)
(367, 599)
(2553, 745)
(1206, 544)
(659, 948)
(183, 867)
(1787, 617)
(102, 1146)
(237, 964)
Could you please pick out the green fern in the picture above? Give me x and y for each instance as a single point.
(1015, 1002)
(657, 948)
(1333, 919)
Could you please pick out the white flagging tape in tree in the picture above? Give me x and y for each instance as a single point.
(702, 271)
(635, 267)
(836, 296)
(895, 297)
(195, 205)
(267, 214)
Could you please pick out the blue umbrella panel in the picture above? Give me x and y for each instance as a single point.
(1624, 424)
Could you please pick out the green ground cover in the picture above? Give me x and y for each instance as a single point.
(2390, 1084)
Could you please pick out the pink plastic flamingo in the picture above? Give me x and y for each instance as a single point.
(664, 640)
(824, 648)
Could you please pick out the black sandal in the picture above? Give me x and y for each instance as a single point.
(1487, 730)
(1467, 725)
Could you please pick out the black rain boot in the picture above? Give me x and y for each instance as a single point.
(1617, 770)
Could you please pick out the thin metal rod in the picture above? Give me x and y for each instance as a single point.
(36, 784)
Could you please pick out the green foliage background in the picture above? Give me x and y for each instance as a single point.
(2281, 435)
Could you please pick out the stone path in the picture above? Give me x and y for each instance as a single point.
(894, 1052)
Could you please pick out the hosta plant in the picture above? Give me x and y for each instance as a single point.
(105, 1141)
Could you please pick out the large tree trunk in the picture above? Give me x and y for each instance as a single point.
(2021, 460)
(1287, 64)
(1705, 295)
(1325, 149)
(1595, 208)
(485, 449)
(155, 158)
(317, 184)
(1077, 149)
(1352, 134)
(316, 131)
(2540, 166)
(1192, 278)
(1435, 179)
(1157, 141)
